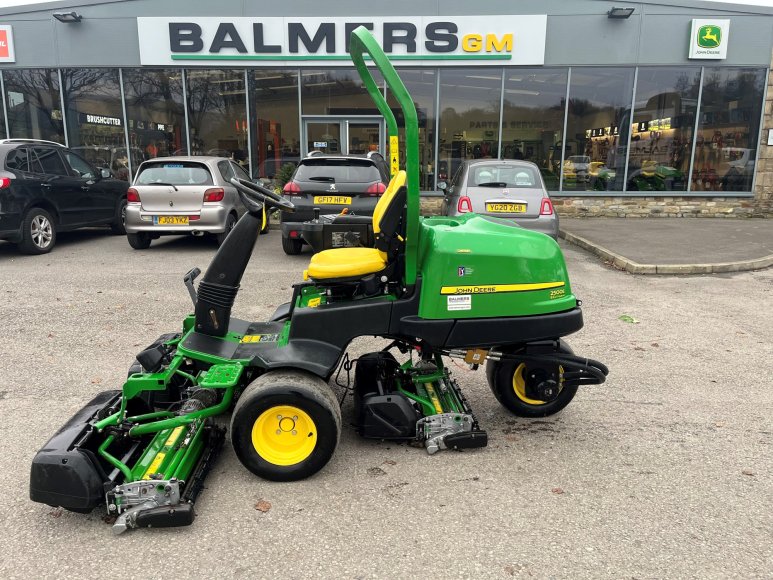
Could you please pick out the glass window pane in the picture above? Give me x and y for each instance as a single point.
(337, 92)
(95, 124)
(79, 166)
(728, 131)
(421, 84)
(533, 118)
(597, 128)
(662, 129)
(469, 116)
(34, 106)
(276, 137)
(49, 161)
(155, 111)
(217, 113)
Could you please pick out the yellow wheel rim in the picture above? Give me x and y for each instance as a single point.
(284, 435)
(519, 386)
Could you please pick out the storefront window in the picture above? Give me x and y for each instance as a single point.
(469, 117)
(598, 123)
(662, 129)
(217, 114)
(276, 137)
(3, 134)
(728, 131)
(533, 118)
(95, 123)
(421, 84)
(337, 92)
(34, 105)
(156, 112)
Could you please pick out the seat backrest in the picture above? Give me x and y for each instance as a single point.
(386, 200)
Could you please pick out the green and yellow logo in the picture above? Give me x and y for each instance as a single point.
(709, 36)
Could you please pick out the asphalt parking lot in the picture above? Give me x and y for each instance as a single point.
(664, 471)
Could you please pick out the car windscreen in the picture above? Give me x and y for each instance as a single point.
(337, 171)
(503, 176)
(174, 173)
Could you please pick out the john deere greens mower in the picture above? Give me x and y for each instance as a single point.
(478, 288)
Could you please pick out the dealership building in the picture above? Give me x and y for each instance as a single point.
(628, 108)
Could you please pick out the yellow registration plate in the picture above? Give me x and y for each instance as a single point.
(332, 199)
(171, 220)
(506, 207)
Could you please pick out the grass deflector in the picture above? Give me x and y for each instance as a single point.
(476, 288)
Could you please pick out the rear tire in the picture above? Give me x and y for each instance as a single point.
(38, 232)
(286, 425)
(118, 227)
(506, 378)
(139, 241)
(291, 247)
(230, 223)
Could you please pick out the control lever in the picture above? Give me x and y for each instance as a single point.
(188, 279)
(316, 214)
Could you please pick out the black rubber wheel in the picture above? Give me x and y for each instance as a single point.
(230, 223)
(291, 247)
(266, 222)
(118, 227)
(38, 232)
(507, 377)
(286, 425)
(139, 241)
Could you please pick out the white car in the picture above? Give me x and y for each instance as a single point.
(183, 195)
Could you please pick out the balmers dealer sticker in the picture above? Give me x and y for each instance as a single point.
(420, 40)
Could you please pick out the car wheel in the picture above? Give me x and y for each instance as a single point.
(118, 227)
(230, 223)
(139, 241)
(38, 234)
(291, 247)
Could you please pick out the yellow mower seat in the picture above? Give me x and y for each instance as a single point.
(356, 262)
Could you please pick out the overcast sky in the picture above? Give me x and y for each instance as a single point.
(4, 3)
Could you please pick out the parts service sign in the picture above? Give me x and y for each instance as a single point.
(709, 38)
(286, 41)
(6, 44)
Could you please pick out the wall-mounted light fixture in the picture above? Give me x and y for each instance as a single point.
(620, 13)
(68, 17)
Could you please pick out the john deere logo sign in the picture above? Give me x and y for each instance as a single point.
(709, 39)
(709, 36)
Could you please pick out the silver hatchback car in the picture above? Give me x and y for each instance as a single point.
(502, 188)
(183, 195)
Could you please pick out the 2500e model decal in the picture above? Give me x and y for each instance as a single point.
(495, 288)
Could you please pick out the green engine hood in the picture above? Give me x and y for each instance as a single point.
(482, 267)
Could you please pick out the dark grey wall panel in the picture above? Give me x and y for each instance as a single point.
(592, 39)
(34, 43)
(99, 42)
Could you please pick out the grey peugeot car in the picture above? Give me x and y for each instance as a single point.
(183, 195)
(504, 188)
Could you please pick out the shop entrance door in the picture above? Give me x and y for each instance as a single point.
(343, 135)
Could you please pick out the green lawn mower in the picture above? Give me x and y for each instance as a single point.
(478, 288)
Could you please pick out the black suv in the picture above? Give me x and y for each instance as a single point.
(331, 183)
(45, 188)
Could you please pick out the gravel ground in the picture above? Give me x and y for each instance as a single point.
(665, 471)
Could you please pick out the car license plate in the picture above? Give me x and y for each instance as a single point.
(506, 207)
(170, 220)
(332, 199)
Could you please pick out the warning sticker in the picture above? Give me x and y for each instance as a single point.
(260, 338)
(460, 302)
(394, 152)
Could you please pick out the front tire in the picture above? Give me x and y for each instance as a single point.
(508, 378)
(286, 425)
(38, 234)
(139, 241)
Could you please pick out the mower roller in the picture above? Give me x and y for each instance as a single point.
(473, 287)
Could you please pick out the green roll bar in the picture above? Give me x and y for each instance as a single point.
(362, 42)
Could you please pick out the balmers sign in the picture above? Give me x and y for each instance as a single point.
(422, 40)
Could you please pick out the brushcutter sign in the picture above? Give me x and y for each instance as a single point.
(425, 40)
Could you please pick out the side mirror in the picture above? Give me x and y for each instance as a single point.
(105, 173)
(442, 186)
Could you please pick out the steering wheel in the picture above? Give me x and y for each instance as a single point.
(254, 196)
